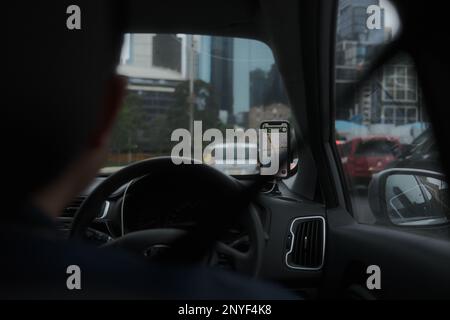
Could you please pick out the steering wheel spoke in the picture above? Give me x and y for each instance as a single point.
(231, 252)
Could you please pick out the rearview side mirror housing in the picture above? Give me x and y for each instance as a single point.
(409, 198)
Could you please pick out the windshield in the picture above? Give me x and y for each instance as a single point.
(193, 82)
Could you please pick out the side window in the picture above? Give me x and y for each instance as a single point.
(383, 134)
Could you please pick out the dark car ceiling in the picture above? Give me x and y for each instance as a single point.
(273, 22)
(225, 18)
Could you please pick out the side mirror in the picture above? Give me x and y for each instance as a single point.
(409, 197)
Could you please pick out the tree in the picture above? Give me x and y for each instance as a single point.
(206, 107)
(157, 136)
(130, 120)
(136, 131)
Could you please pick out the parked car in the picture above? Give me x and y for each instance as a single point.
(363, 156)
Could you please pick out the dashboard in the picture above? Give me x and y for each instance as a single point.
(143, 204)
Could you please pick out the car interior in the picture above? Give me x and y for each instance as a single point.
(317, 227)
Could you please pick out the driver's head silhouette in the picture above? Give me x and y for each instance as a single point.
(62, 96)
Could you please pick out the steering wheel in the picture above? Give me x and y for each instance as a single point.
(217, 191)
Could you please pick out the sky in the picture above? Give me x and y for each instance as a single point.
(391, 18)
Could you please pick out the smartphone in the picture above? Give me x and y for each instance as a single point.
(275, 135)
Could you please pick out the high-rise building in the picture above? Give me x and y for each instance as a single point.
(392, 95)
(352, 18)
(221, 78)
(239, 70)
(154, 65)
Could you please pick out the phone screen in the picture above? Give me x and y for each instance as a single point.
(274, 146)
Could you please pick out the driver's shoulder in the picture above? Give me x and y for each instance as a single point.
(44, 261)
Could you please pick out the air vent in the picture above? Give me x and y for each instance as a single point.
(306, 243)
(72, 208)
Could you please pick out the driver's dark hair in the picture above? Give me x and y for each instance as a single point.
(54, 85)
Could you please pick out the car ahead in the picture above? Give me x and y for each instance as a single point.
(243, 160)
(363, 156)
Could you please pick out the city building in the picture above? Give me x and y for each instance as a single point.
(242, 72)
(275, 111)
(154, 65)
(392, 97)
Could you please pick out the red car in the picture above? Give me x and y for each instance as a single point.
(361, 157)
